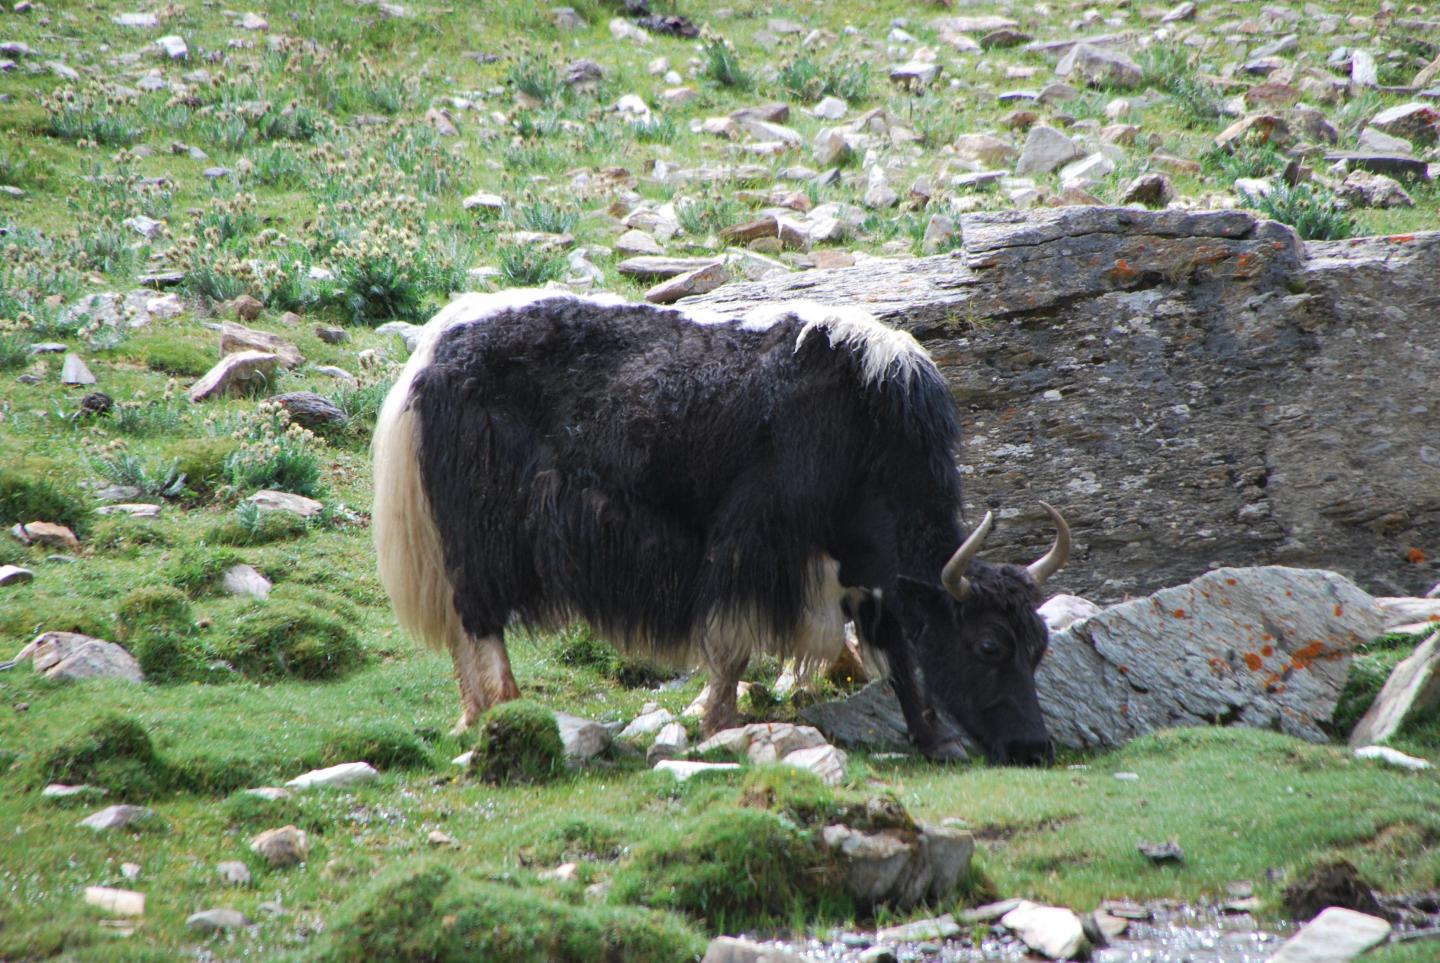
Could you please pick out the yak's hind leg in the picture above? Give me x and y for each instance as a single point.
(482, 667)
(726, 667)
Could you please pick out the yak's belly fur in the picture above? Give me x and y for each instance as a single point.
(673, 481)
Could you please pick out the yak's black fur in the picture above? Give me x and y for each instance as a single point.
(625, 465)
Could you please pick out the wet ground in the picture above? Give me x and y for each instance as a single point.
(1159, 933)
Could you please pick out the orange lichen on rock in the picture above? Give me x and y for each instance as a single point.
(1253, 661)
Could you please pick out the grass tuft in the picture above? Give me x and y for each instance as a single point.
(519, 743)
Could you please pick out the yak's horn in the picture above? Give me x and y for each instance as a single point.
(952, 576)
(1053, 560)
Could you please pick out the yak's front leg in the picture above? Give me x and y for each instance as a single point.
(482, 668)
(726, 668)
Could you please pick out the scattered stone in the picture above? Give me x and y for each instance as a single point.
(661, 267)
(1152, 190)
(985, 149)
(121, 902)
(915, 75)
(1087, 171)
(234, 873)
(75, 372)
(1045, 150)
(831, 148)
(142, 20)
(825, 761)
(830, 108)
(244, 580)
(72, 656)
(344, 775)
(484, 201)
(1335, 936)
(331, 335)
(1363, 70)
(246, 308)
(732, 949)
(1052, 931)
(670, 742)
(58, 790)
(989, 912)
(409, 333)
(582, 738)
(63, 71)
(622, 29)
(1392, 757)
(235, 372)
(1412, 690)
(939, 233)
(443, 121)
(116, 817)
(441, 840)
(217, 920)
(1097, 66)
(638, 243)
(1254, 129)
(901, 867)
(938, 928)
(174, 47)
(1395, 165)
(273, 501)
(281, 847)
(684, 770)
(130, 870)
(1162, 853)
(235, 338)
(565, 18)
(47, 534)
(1374, 190)
(14, 575)
(699, 281)
(146, 227)
(253, 21)
(1375, 141)
(650, 721)
(878, 192)
(1183, 11)
(310, 410)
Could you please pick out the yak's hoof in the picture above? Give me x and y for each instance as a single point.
(948, 751)
(462, 726)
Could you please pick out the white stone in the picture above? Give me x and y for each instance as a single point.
(1087, 171)
(1053, 931)
(633, 243)
(483, 200)
(830, 108)
(915, 73)
(57, 790)
(733, 949)
(1363, 71)
(86, 658)
(1392, 757)
(74, 371)
(1336, 935)
(273, 501)
(121, 902)
(336, 777)
(1412, 689)
(253, 21)
(1373, 141)
(115, 817)
(825, 761)
(216, 920)
(174, 47)
(647, 723)
(234, 873)
(683, 770)
(622, 29)
(582, 738)
(143, 20)
(246, 580)
(15, 575)
(938, 928)
(1060, 611)
(233, 371)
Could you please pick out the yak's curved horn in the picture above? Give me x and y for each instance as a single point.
(952, 576)
(1053, 560)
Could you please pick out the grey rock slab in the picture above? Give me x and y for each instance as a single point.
(937, 928)
(217, 920)
(1045, 149)
(1365, 189)
(647, 723)
(825, 761)
(732, 949)
(236, 338)
(120, 902)
(1096, 65)
(142, 20)
(1411, 690)
(1336, 935)
(131, 509)
(1414, 120)
(234, 372)
(15, 575)
(233, 873)
(1263, 647)
(285, 846)
(345, 775)
(1052, 931)
(75, 372)
(1363, 70)
(1394, 164)
(58, 790)
(662, 267)
(116, 817)
(1375, 141)
(93, 659)
(289, 502)
(699, 281)
(582, 738)
(173, 47)
(246, 581)
(409, 333)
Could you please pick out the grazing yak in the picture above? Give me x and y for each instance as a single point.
(701, 487)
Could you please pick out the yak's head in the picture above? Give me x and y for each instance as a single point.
(979, 641)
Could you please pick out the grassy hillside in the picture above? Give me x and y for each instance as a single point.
(320, 166)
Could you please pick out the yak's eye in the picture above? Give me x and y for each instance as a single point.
(990, 649)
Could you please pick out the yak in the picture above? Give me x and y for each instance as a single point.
(701, 488)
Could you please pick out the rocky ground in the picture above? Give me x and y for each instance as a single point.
(216, 227)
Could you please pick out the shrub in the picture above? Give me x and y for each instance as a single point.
(546, 217)
(28, 498)
(722, 65)
(519, 743)
(524, 265)
(1312, 211)
(203, 462)
(90, 115)
(383, 746)
(535, 76)
(154, 478)
(281, 639)
(274, 453)
(149, 417)
(809, 81)
(112, 752)
(248, 525)
(733, 868)
(429, 912)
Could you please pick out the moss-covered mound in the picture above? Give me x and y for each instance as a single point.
(31, 497)
(734, 868)
(112, 752)
(383, 746)
(519, 743)
(282, 638)
(431, 913)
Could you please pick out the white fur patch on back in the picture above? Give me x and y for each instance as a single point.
(885, 352)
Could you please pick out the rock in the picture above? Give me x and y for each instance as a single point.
(1061, 611)
(47, 534)
(1254, 129)
(1162, 853)
(1152, 190)
(647, 723)
(235, 372)
(901, 867)
(173, 47)
(344, 775)
(1264, 647)
(117, 817)
(1372, 141)
(637, 242)
(938, 928)
(235, 338)
(621, 29)
(440, 840)
(308, 409)
(1335, 936)
(984, 148)
(878, 193)
(1004, 37)
(273, 501)
(1363, 71)
(121, 902)
(683, 770)
(669, 742)
(253, 21)
(582, 738)
(662, 267)
(565, 18)
(281, 847)
(14, 575)
(698, 281)
(443, 121)
(732, 949)
(1374, 190)
(1051, 931)
(915, 75)
(582, 73)
(246, 581)
(1398, 165)
(831, 148)
(1427, 75)
(1183, 11)
(130, 509)
(58, 790)
(825, 761)
(217, 920)
(63, 71)
(71, 656)
(938, 233)
(1097, 66)
(763, 742)
(1414, 120)
(1045, 149)
(146, 227)
(830, 108)
(1413, 689)
(144, 20)
(1392, 757)
(234, 873)
(74, 372)
(1087, 171)
(409, 333)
